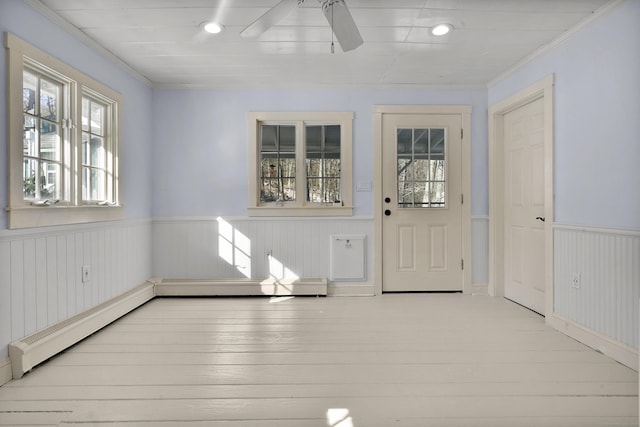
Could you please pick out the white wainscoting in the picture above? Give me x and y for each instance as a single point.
(41, 272)
(242, 247)
(597, 286)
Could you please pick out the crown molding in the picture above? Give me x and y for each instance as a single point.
(41, 8)
(597, 14)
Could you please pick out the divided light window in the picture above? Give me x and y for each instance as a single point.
(301, 165)
(63, 142)
(42, 103)
(323, 163)
(97, 169)
(278, 163)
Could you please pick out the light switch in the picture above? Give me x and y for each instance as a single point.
(363, 186)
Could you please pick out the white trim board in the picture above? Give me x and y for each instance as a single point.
(597, 229)
(241, 287)
(29, 351)
(602, 344)
(5, 371)
(12, 234)
(351, 290)
(34, 349)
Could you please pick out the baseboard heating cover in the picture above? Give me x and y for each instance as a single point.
(34, 349)
(241, 287)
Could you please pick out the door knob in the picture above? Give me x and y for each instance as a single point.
(540, 218)
(387, 212)
(387, 200)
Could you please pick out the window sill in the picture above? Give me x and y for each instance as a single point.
(274, 211)
(43, 216)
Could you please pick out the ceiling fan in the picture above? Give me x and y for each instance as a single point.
(336, 12)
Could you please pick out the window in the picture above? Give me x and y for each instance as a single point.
(421, 168)
(97, 143)
(63, 142)
(300, 164)
(42, 97)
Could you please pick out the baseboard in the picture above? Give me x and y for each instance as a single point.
(351, 290)
(240, 287)
(619, 352)
(480, 289)
(26, 353)
(36, 348)
(5, 371)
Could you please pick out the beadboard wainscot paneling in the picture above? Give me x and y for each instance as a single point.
(41, 272)
(200, 248)
(597, 286)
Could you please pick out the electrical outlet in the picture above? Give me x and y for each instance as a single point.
(575, 280)
(86, 274)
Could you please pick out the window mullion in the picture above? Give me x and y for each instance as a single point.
(75, 144)
(301, 167)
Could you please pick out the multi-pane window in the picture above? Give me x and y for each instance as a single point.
(63, 142)
(95, 149)
(421, 168)
(301, 164)
(42, 102)
(322, 144)
(277, 163)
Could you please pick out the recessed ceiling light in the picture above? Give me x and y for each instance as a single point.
(212, 27)
(441, 29)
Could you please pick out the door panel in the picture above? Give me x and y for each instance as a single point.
(406, 248)
(438, 249)
(422, 181)
(524, 202)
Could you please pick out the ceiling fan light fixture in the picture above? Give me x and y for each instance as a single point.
(212, 27)
(441, 29)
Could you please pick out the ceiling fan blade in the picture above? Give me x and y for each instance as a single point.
(274, 15)
(342, 23)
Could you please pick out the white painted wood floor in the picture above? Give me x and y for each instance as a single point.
(394, 360)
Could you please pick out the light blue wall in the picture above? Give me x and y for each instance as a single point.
(21, 20)
(597, 119)
(200, 143)
(596, 170)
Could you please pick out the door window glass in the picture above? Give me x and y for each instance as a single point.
(421, 167)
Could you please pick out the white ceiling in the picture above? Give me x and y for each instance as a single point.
(162, 40)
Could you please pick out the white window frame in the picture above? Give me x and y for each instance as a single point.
(301, 207)
(70, 209)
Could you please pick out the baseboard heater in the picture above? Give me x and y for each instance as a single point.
(241, 287)
(34, 349)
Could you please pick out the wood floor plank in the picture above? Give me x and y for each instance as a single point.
(366, 409)
(82, 357)
(449, 422)
(401, 360)
(253, 391)
(321, 374)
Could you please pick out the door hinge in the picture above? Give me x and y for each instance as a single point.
(461, 133)
(462, 198)
(462, 264)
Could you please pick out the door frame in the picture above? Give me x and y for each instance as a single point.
(465, 115)
(542, 89)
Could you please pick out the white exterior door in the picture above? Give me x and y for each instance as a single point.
(422, 202)
(524, 188)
